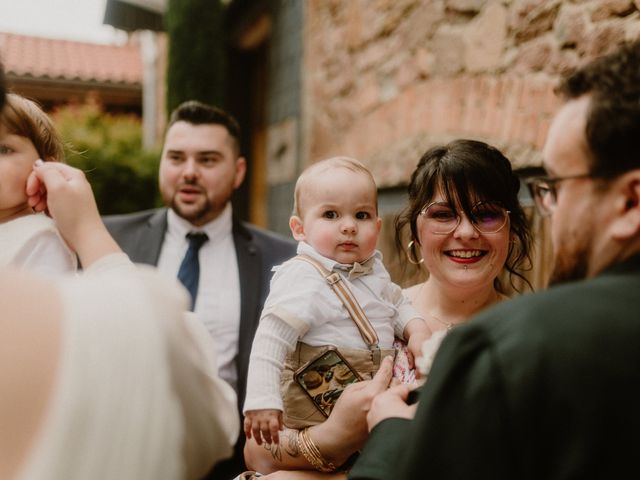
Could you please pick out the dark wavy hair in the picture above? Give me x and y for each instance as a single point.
(467, 171)
(613, 117)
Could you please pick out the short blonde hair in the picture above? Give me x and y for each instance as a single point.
(25, 118)
(323, 165)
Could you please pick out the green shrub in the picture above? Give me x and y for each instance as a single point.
(108, 148)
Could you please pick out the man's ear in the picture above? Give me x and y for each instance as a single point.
(626, 224)
(297, 228)
(241, 170)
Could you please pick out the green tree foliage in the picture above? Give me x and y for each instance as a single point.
(108, 148)
(197, 62)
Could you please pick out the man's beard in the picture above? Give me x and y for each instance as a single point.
(192, 216)
(571, 266)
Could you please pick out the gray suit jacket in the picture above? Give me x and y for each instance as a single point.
(141, 235)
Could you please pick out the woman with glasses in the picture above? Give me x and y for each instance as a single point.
(465, 227)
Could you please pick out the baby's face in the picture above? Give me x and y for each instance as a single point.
(339, 216)
(17, 155)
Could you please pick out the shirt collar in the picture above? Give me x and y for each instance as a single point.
(217, 228)
(330, 264)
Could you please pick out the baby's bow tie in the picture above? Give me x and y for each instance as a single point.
(358, 269)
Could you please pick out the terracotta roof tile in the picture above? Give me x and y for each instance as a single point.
(68, 60)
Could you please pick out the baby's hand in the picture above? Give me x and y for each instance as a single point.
(414, 345)
(263, 425)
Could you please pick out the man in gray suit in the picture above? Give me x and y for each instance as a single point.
(545, 386)
(200, 168)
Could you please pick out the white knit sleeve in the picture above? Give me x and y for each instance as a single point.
(47, 253)
(273, 341)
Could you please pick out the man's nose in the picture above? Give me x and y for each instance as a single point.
(190, 168)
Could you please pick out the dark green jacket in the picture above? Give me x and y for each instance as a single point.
(543, 387)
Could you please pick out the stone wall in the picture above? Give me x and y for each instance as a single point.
(386, 79)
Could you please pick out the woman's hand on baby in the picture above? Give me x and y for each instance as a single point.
(345, 431)
(342, 434)
(263, 425)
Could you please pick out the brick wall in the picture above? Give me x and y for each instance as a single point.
(386, 79)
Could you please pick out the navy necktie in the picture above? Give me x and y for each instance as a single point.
(189, 272)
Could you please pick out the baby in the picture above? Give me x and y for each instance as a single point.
(28, 240)
(336, 223)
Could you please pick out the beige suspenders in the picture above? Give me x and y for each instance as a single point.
(334, 280)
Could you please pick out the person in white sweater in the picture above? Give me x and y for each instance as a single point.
(103, 375)
(28, 240)
(336, 224)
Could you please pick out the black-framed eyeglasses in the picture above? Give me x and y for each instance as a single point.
(486, 217)
(544, 191)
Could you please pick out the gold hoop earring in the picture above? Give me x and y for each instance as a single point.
(409, 250)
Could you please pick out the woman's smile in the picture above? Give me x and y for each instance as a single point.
(465, 256)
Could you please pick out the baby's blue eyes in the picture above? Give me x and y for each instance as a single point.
(362, 216)
(330, 214)
(4, 149)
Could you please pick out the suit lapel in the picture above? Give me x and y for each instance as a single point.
(151, 238)
(249, 270)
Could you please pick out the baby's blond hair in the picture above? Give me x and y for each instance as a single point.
(323, 165)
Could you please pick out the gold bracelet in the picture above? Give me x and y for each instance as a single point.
(312, 454)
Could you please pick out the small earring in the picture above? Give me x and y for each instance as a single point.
(409, 250)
